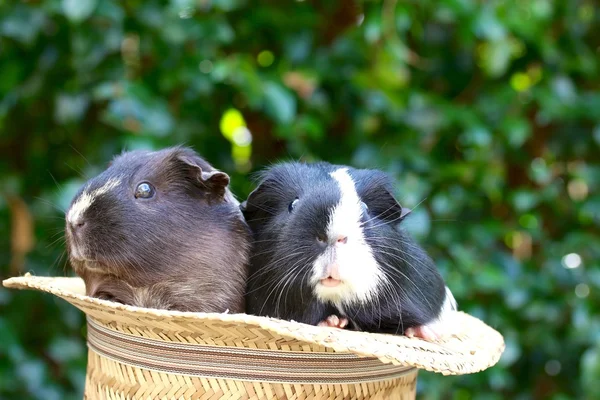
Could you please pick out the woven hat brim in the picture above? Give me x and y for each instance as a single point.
(471, 345)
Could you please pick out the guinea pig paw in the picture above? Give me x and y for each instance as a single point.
(425, 332)
(333, 321)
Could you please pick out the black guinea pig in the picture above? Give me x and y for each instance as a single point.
(160, 230)
(328, 251)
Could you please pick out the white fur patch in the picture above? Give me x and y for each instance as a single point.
(86, 199)
(358, 270)
(449, 304)
(441, 326)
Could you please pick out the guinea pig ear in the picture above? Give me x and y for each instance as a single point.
(377, 191)
(389, 208)
(257, 208)
(215, 181)
(396, 213)
(248, 206)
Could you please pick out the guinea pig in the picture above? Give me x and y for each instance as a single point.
(160, 230)
(328, 251)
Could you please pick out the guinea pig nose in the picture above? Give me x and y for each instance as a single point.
(76, 224)
(342, 239)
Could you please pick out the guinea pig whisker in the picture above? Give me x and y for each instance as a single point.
(308, 270)
(408, 279)
(419, 203)
(289, 285)
(404, 261)
(397, 301)
(82, 156)
(390, 239)
(377, 216)
(271, 212)
(78, 172)
(274, 288)
(287, 278)
(397, 218)
(383, 223)
(402, 252)
(52, 218)
(274, 250)
(273, 283)
(254, 219)
(260, 273)
(266, 241)
(268, 268)
(270, 251)
(58, 260)
(51, 204)
(54, 179)
(60, 239)
(287, 281)
(57, 231)
(415, 259)
(274, 263)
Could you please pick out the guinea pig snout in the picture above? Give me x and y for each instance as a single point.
(340, 240)
(76, 224)
(331, 276)
(334, 240)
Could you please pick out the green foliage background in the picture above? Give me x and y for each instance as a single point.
(487, 113)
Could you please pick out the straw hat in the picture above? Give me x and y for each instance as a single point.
(138, 353)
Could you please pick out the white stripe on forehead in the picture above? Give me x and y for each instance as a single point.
(86, 199)
(345, 217)
(358, 269)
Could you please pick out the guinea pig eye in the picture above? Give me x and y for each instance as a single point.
(292, 204)
(144, 190)
(365, 208)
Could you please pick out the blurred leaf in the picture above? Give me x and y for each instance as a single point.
(13, 23)
(78, 10)
(63, 350)
(280, 104)
(590, 368)
(136, 110)
(70, 108)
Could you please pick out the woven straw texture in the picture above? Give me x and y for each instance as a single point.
(107, 379)
(137, 353)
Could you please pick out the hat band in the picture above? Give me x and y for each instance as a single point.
(238, 362)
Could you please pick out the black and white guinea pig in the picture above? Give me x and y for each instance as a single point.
(160, 230)
(328, 251)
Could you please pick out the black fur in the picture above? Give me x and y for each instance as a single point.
(285, 248)
(185, 249)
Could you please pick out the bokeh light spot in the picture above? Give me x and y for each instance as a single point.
(230, 121)
(205, 66)
(553, 367)
(578, 189)
(513, 239)
(186, 13)
(520, 82)
(528, 221)
(571, 260)
(586, 12)
(265, 58)
(242, 136)
(233, 127)
(582, 290)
